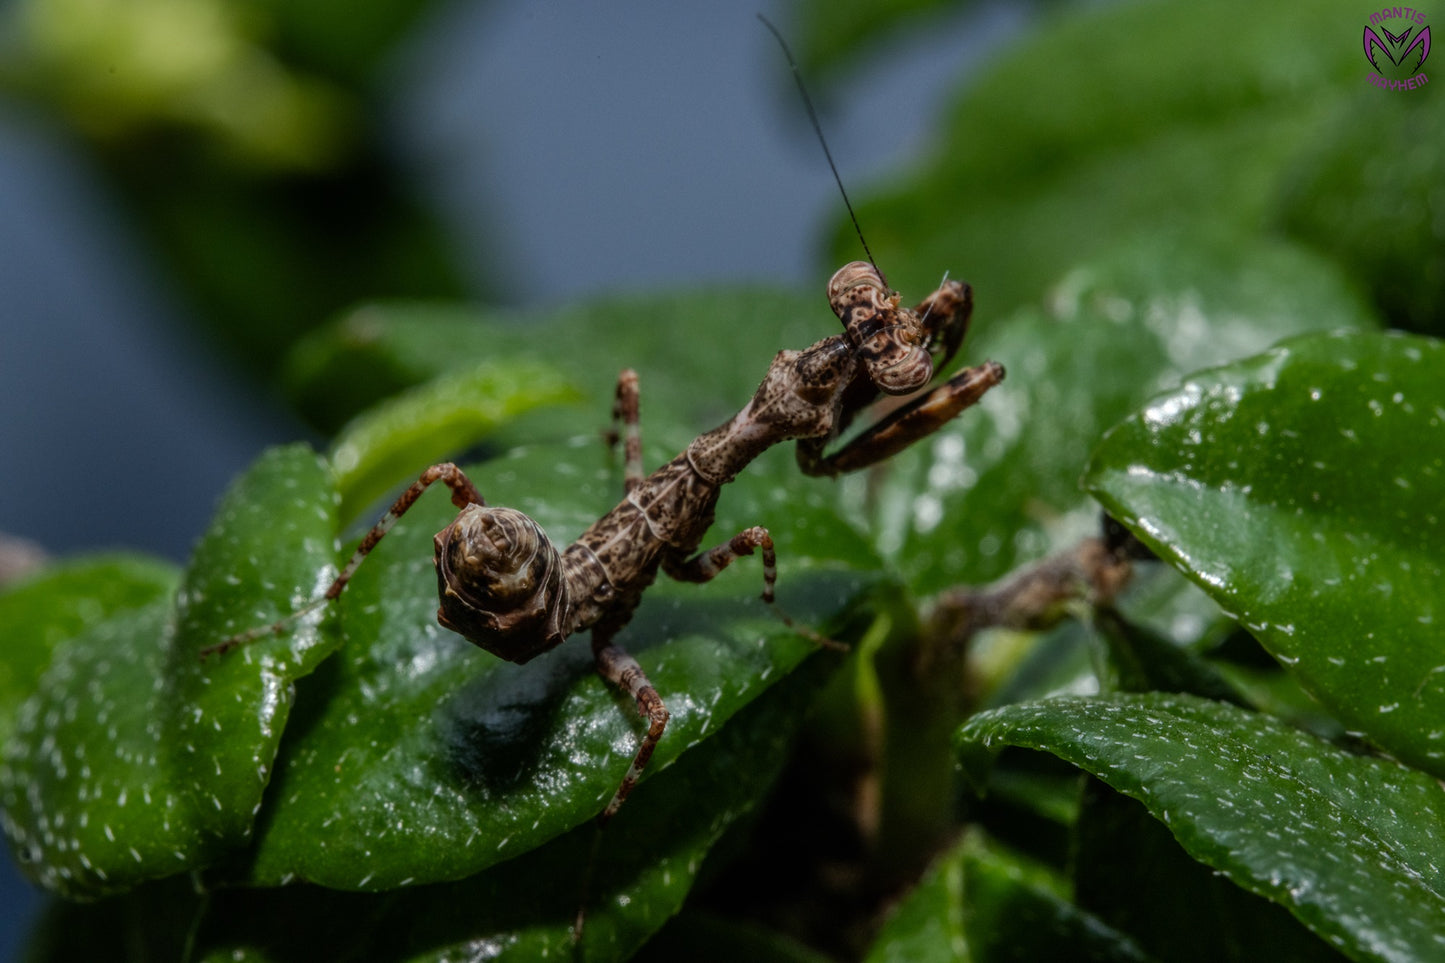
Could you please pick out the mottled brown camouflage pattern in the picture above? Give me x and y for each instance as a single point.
(504, 585)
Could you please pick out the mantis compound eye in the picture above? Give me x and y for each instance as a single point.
(888, 339)
(500, 582)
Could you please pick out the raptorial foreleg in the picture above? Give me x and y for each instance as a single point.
(903, 426)
(944, 316)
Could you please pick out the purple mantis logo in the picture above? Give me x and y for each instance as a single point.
(1398, 58)
(1374, 45)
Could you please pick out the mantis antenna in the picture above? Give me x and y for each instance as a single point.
(818, 129)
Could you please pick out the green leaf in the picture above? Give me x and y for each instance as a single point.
(1017, 909)
(58, 603)
(646, 862)
(1347, 843)
(252, 176)
(1105, 123)
(1301, 488)
(677, 344)
(1130, 872)
(396, 439)
(834, 38)
(442, 760)
(133, 759)
(700, 937)
(999, 486)
(928, 924)
(981, 902)
(1137, 659)
(1274, 690)
(1366, 191)
(342, 40)
(147, 923)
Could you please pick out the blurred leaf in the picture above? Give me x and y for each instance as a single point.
(346, 41)
(58, 603)
(1301, 488)
(265, 259)
(1107, 122)
(676, 343)
(240, 161)
(443, 760)
(983, 903)
(833, 38)
(702, 938)
(1347, 843)
(1161, 600)
(397, 438)
(1366, 190)
(133, 759)
(1278, 692)
(927, 925)
(999, 485)
(147, 923)
(1137, 659)
(1018, 910)
(113, 69)
(1009, 666)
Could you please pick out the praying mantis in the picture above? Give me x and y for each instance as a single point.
(506, 587)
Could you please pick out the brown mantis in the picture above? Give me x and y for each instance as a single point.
(506, 587)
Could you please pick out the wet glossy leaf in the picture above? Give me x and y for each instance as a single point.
(1128, 871)
(1000, 484)
(523, 910)
(393, 441)
(133, 759)
(1349, 844)
(58, 603)
(87, 799)
(1301, 488)
(441, 759)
